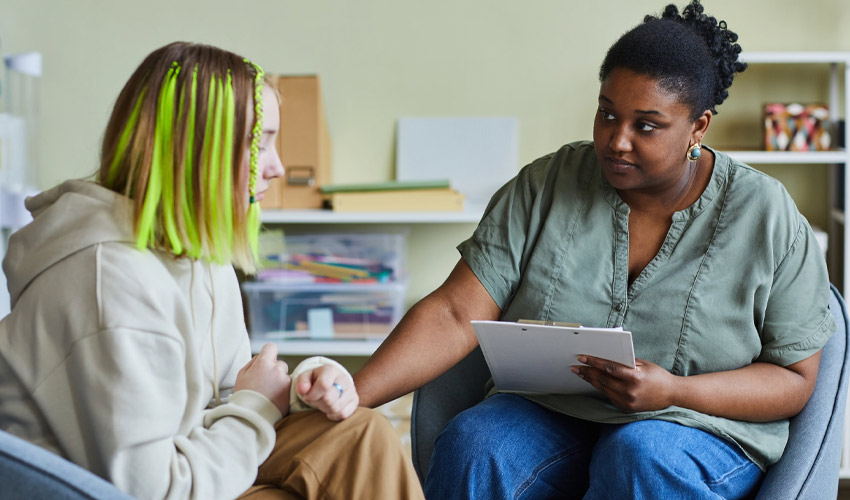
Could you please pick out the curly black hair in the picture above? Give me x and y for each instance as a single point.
(691, 55)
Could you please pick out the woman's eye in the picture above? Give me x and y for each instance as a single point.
(606, 115)
(646, 127)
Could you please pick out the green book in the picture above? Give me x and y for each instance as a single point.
(385, 186)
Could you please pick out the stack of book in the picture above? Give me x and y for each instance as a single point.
(393, 196)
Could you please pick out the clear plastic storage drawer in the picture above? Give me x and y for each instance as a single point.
(277, 311)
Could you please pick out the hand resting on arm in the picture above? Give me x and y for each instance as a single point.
(318, 384)
(316, 388)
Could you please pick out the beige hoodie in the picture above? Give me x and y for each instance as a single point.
(112, 356)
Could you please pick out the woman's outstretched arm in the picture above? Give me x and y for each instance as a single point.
(431, 338)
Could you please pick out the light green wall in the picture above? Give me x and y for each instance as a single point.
(382, 59)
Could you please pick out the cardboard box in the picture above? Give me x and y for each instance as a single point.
(303, 143)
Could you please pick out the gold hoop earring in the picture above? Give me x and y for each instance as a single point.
(694, 152)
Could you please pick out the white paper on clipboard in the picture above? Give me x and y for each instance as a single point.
(537, 358)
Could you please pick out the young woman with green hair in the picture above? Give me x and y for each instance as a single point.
(126, 350)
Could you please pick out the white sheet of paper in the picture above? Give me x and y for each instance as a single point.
(537, 358)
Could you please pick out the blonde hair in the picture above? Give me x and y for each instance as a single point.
(174, 145)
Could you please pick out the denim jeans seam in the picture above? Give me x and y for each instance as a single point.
(725, 477)
(541, 467)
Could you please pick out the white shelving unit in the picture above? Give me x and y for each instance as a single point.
(789, 157)
(838, 62)
(324, 347)
(316, 216)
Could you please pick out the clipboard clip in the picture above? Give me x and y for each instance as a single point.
(549, 323)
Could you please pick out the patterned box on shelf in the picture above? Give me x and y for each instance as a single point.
(796, 127)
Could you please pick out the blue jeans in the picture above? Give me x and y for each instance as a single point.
(509, 447)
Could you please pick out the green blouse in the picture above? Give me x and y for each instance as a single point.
(739, 278)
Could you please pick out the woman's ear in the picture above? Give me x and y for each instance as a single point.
(701, 125)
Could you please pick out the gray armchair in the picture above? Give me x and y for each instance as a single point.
(28, 471)
(808, 468)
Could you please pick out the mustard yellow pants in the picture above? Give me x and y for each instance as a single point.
(358, 458)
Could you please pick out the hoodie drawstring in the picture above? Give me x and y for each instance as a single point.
(212, 338)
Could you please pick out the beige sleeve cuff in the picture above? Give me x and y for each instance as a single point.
(254, 410)
(258, 403)
(297, 404)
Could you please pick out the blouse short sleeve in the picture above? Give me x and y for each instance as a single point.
(797, 320)
(497, 250)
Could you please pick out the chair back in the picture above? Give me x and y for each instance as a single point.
(810, 465)
(31, 472)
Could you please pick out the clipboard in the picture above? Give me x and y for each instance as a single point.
(536, 357)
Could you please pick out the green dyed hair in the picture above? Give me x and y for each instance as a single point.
(175, 145)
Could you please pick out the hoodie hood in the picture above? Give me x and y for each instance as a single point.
(66, 219)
